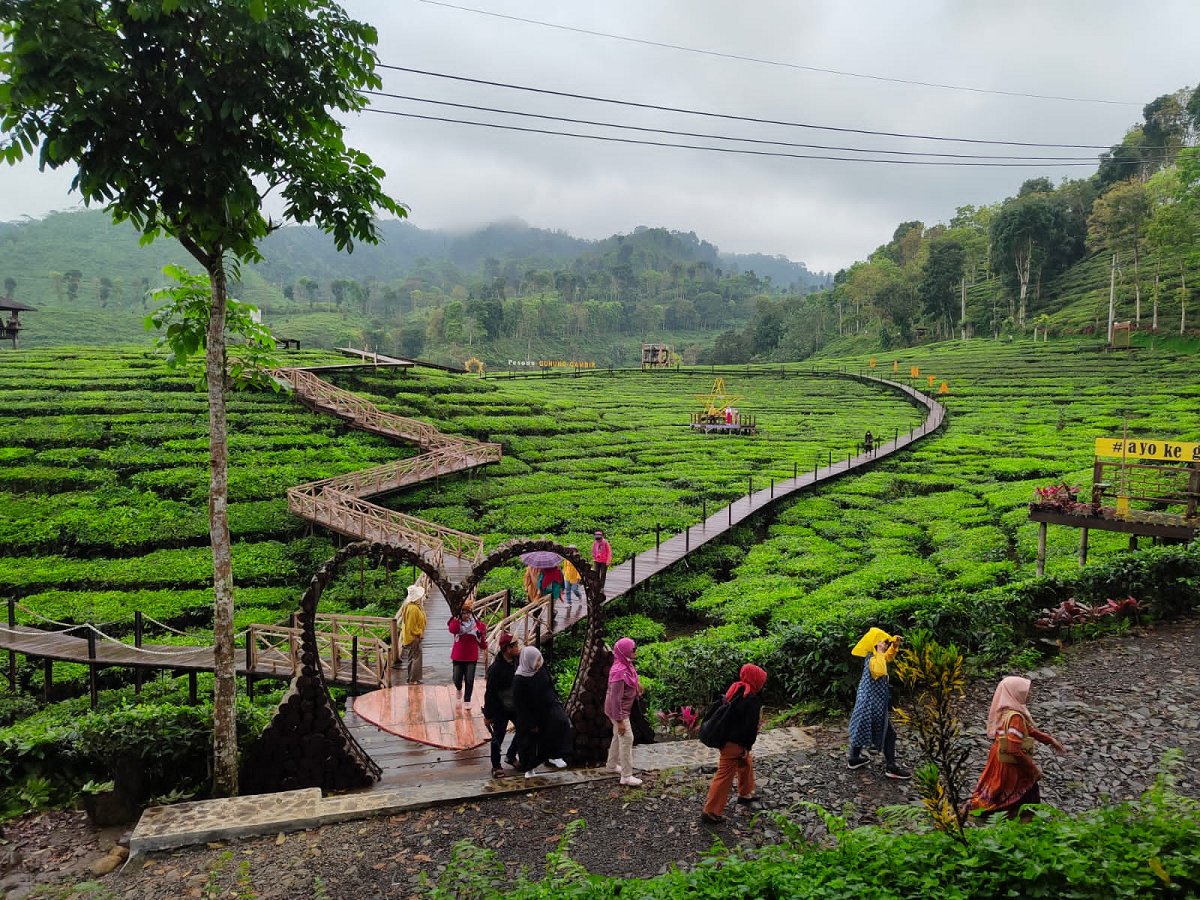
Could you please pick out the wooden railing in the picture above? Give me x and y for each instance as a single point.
(357, 518)
(352, 649)
(527, 624)
(368, 416)
(1179, 484)
(401, 472)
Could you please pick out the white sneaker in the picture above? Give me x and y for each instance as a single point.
(467, 705)
(532, 773)
(557, 763)
(616, 770)
(631, 780)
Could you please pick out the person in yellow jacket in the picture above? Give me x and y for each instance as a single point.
(572, 579)
(412, 631)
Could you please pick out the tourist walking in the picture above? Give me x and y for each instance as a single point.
(741, 731)
(601, 556)
(550, 581)
(543, 729)
(470, 636)
(1010, 776)
(571, 578)
(530, 581)
(411, 617)
(870, 724)
(624, 688)
(498, 705)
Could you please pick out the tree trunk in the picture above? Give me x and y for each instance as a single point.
(225, 776)
(1154, 320)
(1182, 299)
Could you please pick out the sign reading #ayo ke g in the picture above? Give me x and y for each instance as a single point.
(1167, 451)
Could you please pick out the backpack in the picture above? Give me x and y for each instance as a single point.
(714, 728)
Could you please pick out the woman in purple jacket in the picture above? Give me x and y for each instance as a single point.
(623, 688)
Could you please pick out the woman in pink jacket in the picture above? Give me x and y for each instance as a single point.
(624, 688)
(601, 556)
(470, 636)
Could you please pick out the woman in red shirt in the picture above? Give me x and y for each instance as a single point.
(470, 636)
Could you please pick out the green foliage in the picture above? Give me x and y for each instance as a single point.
(147, 749)
(932, 676)
(184, 320)
(1149, 848)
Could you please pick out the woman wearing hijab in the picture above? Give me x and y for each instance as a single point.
(543, 730)
(623, 688)
(470, 636)
(1010, 777)
(745, 711)
(870, 724)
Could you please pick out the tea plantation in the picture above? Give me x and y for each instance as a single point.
(104, 482)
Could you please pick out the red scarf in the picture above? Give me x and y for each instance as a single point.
(751, 677)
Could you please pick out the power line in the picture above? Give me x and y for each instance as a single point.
(734, 150)
(774, 62)
(736, 118)
(720, 137)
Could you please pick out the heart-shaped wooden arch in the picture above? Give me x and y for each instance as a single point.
(308, 745)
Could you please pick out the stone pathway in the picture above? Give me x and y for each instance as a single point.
(205, 821)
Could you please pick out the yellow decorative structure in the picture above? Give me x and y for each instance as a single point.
(716, 401)
(477, 363)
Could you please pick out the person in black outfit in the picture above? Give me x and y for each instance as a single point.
(498, 706)
(745, 710)
(543, 729)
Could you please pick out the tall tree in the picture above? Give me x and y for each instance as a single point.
(1021, 234)
(1118, 222)
(181, 116)
(939, 280)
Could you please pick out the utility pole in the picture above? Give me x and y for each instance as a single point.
(1112, 295)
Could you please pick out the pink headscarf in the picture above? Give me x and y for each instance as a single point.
(622, 667)
(1012, 693)
(751, 677)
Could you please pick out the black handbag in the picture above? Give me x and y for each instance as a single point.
(714, 727)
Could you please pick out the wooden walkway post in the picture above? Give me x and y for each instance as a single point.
(1083, 547)
(137, 642)
(12, 654)
(91, 644)
(1041, 557)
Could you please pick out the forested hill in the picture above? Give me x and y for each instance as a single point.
(80, 257)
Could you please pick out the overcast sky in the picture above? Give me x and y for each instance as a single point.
(824, 213)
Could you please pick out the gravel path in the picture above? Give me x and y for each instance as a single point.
(1117, 704)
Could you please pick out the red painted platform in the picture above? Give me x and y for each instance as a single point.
(427, 713)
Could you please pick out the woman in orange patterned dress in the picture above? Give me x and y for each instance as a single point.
(1010, 778)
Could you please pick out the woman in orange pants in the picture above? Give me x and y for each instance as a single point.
(745, 711)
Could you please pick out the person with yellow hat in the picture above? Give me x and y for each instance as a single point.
(411, 617)
(869, 723)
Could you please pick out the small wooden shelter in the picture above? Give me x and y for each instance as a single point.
(656, 356)
(11, 324)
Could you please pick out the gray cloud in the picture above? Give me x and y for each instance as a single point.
(824, 213)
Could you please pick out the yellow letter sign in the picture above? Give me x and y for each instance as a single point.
(1167, 451)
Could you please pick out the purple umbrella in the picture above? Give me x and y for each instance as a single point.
(541, 559)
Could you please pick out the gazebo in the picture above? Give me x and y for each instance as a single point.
(12, 324)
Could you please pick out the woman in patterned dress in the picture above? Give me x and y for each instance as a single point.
(1010, 777)
(869, 723)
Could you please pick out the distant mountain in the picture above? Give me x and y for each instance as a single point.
(109, 264)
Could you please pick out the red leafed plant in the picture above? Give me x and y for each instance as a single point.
(1062, 497)
(1071, 612)
(685, 718)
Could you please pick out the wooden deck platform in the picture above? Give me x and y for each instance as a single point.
(427, 713)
